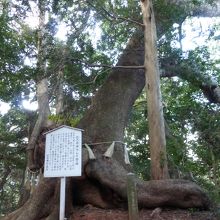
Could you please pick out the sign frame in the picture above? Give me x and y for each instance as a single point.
(63, 152)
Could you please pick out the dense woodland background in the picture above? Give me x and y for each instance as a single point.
(75, 69)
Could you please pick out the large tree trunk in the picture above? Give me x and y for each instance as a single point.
(103, 183)
(112, 103)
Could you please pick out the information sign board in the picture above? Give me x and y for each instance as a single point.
(63, 152)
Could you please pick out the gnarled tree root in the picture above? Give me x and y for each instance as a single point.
(157, 193)
(104, 185)
(38, 205)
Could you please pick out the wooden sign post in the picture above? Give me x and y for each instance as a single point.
(63, 157)
(132, 197)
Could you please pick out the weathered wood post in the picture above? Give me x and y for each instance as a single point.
(132, 197)
(159, 167)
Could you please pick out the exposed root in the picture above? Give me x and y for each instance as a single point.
(37, 203)
(157, 193)
(91, 192)
(54, 214)
(104, 184)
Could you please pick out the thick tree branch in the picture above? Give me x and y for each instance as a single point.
(209, 87)
(211, 90)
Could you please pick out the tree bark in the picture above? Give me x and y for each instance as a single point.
(154, 193)
(157, 140)
(59, 93)
(41, 89)
(113, 101)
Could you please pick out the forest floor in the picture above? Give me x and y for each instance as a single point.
(89, 212)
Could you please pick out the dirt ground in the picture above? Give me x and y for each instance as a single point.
(89, 212)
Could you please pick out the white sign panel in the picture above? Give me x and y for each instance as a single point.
(63, 152)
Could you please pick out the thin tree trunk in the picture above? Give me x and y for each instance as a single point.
(41, 87)
(59, 92)
(159, 168)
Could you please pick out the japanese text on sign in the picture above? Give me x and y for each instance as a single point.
(63, 153)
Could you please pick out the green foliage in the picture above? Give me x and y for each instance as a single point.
(192, 131)
(13, 137)
(192, 123)
(64, 119)
(137, 138)
(14, 75)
